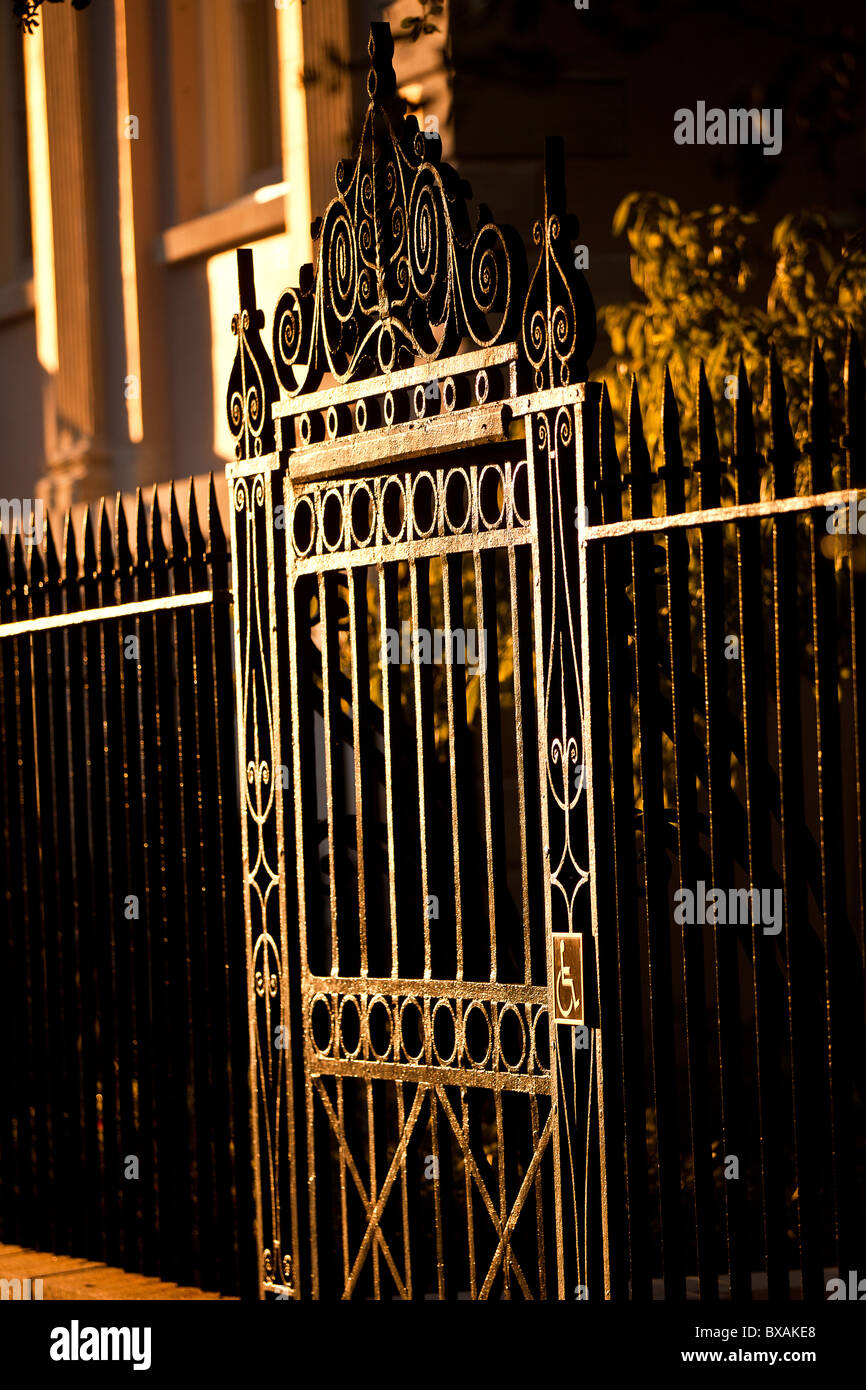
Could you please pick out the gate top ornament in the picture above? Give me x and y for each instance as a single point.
(402, 278)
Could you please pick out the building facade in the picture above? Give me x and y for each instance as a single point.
(141, 143)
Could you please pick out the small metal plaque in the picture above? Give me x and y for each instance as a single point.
(568, 975)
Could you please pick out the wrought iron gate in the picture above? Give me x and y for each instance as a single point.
(415, 829)
(489, 1059)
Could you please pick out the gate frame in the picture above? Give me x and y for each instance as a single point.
(280, 442)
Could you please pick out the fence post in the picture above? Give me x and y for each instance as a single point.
(261, 622)
(558, 333)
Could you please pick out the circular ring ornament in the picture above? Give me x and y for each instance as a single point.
(326, 1002)
(380, 1004)
(448, 1008)
(303, 526)
(520, 493)
(344, 1003)
(393, 507)
(424, 505)
(360, 510)
(333, 520)
(451, 491)
(477, 1062)
(505, 1010)
(537, 1062)
(491, 484)
(416, 1004)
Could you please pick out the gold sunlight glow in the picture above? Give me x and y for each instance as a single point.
(126, 225)
(40, 202)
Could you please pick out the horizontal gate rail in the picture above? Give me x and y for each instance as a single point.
(115, 613)
(777, 506)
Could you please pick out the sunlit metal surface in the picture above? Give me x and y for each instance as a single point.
(424, 842)
(123, 1129)
(408, 1131)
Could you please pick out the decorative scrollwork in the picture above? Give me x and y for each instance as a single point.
(252, 386)
(267, 1000)
(401, 275)
(507, 1036)
(563, 690)
(559, 324)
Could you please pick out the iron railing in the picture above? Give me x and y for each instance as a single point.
(123, 1094)
(497, 1046)
(725, 693)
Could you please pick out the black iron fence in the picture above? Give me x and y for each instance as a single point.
(726, 698)
(123, 1092)
(553, 979)
(722, 1084)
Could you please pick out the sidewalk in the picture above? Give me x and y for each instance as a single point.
(67, 1278)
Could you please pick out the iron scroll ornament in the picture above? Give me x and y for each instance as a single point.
(562, 683)
(398, 259)
(559, 322)
(252, 387)
(402, 277)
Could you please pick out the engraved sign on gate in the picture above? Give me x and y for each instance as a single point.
(568, 989)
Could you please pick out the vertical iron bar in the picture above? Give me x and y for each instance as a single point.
(193, 1014)
(805, 1001)
(854, 443)
(389, 615)
(770, 1029)
(73, 1110)
(459, 764)
(843, 960)
(721, 808)
(685, 780)
(491, 748)
(653, 817)
(42, 919)
(156, 1127)
(85, 905)
(116, 1000)
(526, 741)
(419, 590)
(139, 738)
(621, 1082)
(10, 1211)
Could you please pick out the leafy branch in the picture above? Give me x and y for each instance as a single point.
(699, 276)
(26, 12)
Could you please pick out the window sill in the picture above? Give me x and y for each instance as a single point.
(17, 300)
(247, 219)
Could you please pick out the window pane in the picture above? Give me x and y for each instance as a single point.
(260, 93)
(15, 248)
